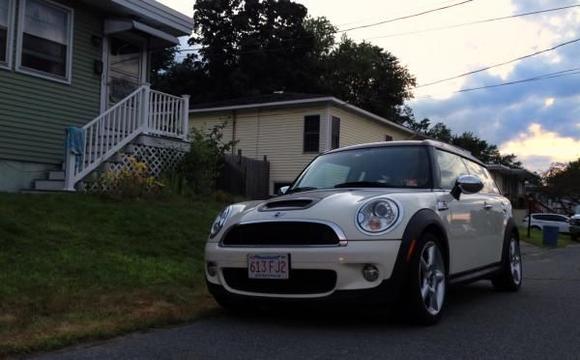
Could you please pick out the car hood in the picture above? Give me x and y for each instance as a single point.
(337, 206)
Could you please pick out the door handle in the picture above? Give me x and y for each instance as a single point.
(487, 206)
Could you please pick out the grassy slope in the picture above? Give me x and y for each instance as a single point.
(536, 237)
(74, 266)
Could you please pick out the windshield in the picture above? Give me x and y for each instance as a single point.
(389, 166)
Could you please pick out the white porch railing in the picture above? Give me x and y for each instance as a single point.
(144, 111)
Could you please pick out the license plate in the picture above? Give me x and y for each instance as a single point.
(268, 266)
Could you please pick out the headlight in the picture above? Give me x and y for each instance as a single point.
(219, 221)
(377, 216)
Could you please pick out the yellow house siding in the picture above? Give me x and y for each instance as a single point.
(356, 129)
(278, 133)
(275, 133)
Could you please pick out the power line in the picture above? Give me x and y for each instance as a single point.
(474, 22)
(554, 75)
(375, 18)
(500, 64)
(404, 17)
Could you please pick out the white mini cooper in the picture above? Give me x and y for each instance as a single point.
(376, 223)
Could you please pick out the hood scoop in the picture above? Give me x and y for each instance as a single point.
(288, 204)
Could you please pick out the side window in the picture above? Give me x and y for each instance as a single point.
(312, 133)
(484, 176)
(5, 30)
(451, 167)
(335, 140)
(45, 39)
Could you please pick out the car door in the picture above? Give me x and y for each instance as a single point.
(493, 220)
(561, 222)
(458, 216)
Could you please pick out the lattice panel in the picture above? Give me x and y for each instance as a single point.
(159, 161)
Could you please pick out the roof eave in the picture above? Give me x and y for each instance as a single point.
(327, 99)
(152, 10)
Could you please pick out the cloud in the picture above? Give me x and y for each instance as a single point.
(549, 102)
(538, 148)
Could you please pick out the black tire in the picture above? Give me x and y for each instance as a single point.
(508, 279)
(419, 308)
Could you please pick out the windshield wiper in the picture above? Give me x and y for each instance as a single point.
(375, 184)
(299, 189)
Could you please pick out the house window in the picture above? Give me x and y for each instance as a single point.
(335, 133)
(312, 133)
(45, 39)
(6, 7)
(388, 138)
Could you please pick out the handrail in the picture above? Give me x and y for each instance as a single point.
(142, 111)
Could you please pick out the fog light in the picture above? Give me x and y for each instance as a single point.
(211, 268)
(370, 273)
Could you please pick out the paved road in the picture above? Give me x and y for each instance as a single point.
(541, 321)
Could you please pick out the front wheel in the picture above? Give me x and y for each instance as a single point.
(510, 275)
(427, 283)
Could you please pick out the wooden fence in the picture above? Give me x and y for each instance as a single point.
(245, 176)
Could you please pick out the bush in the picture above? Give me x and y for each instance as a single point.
(130, 183)
(201, 166)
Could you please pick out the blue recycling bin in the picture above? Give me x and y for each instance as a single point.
(551, 234)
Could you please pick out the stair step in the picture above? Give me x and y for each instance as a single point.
(49, 185)
(56, 175)
(44, 192)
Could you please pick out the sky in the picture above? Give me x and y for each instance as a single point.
(539, 121)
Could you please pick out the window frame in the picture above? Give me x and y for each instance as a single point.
(67, 79)
(304, 150)
(7, 64)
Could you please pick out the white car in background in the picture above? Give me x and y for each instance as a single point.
(398, 220)
(540, 220)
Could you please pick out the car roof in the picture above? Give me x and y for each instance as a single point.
(433, 143)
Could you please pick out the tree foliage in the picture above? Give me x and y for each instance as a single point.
(563, 180)
(367, 76)
(255, 47)
(480, 148)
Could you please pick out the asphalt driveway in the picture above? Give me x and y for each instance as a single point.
(542, 321)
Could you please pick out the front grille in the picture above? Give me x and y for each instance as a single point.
(300, 282)
(290, 233)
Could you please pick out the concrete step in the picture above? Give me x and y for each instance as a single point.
(44, 192)
(56, 175)
(49, 185)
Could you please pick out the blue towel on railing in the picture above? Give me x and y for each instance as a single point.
(75, 143)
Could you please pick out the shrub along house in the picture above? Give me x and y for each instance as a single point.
(84, 64)
(291, 129)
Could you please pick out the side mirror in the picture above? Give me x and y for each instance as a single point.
(283, 190)
(466, 184)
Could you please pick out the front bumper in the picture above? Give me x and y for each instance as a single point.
(346, 261)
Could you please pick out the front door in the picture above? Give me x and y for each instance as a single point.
(126, 68)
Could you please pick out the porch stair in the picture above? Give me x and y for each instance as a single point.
(109, 136)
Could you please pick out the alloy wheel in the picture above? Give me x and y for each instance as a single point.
(515, 261)
(432, 278)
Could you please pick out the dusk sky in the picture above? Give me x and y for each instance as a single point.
(539, 120)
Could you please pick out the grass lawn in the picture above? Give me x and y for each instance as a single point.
(78, 267)
(536, 237)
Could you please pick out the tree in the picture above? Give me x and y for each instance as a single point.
(562, 181)
(161, 61)
(481, 149)
(369, 77)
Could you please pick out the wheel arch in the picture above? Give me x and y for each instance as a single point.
(425, 221)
